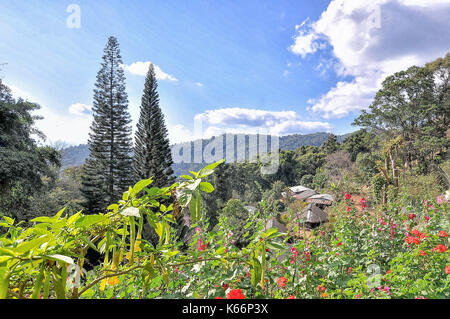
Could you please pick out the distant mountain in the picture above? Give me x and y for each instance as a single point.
(76, 155)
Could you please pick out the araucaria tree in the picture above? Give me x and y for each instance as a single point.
(107, 172)
(152, 155)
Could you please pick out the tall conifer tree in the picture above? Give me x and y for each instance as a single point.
(152, 155)
(108, 171)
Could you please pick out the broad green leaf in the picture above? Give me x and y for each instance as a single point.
(206, 187)
(73, 218)
(141, 185)
(62, 258)
(9, 220)
(186, 177)
(89, 220)
(7, 252)
(4, 282)
(31, 244)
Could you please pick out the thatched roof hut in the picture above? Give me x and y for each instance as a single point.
(313, 215)
(321, 199)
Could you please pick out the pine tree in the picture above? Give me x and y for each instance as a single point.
(108, 171)
(152, 155)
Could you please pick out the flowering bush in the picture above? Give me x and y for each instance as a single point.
(399, 252)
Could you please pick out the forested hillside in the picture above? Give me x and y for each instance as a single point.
(76, 155)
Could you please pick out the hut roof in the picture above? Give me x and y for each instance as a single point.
(299, 189)
(325, 199)
(313, 214)
(300, 192)
(304, 195)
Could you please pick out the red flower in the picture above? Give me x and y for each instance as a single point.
(339, 244)
(422, 253)
(415, 232)
(349, 270)
(347, 196)
(447, 269)
(412, 240)
(441, 248)
(388, 272)
(282, 282)
(235, 294)
(218, 297)
(321, 288)
(412, 216)
(363, 202)
(225, 286)
(349, 209)
(443, 234)
(291, 297)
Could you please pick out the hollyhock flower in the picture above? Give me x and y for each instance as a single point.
(447, 269)
(388, 272)
(218, 297)
(291, 297)
(282, 282)
(363, 203)
(443, 234)
(347, 195)
(439, 199)
(349, 209)
(422, 253)
(225, 286)
(358, 296)
(339, 244)
(412, 216)
(235, 294)
(427, 218)
(441, 248)
(198, 230)
(349, 270)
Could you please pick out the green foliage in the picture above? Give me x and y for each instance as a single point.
(152, 155)
(106, 174)
(24, 164)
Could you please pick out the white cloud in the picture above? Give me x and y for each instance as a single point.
(371, 40)
(141, 68)
(251, 121)
(80, 109)
(200, 84)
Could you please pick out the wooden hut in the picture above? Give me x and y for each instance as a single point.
(320, 199)
(313, 216)
(301, 192)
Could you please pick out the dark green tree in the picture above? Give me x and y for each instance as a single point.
(152, 155)
(413, 104)
(23, 163)
(331, 145)
(108, 170)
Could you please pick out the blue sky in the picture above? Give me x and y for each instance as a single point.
(278, 67)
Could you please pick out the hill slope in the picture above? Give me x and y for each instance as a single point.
(76, 155)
